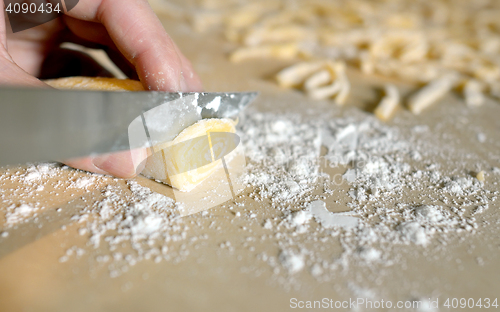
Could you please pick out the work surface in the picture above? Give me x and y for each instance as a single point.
(255, 253)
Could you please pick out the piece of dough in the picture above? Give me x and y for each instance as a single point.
(188, 160)
(183, 162)
(389, 103)
(432, 92)
(95, 83)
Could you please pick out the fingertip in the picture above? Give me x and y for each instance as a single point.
(192, 82)
(84, 163)
(126, 164)
(165, 68)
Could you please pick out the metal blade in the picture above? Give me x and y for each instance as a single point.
(47, 124)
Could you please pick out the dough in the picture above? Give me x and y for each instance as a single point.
(187, 160)
(95, 83)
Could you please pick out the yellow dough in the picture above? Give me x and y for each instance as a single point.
(95, 83)
(187, 160)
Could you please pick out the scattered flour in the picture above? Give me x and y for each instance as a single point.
(145, 217)
(83, 182)
(370, 254)
(287, 172)
(461, 185)
(383, 167)
(19, 214)
(328, 219)
(413, 232)
(294, 263)
(429, 213)
(481, 137)
(301, 217)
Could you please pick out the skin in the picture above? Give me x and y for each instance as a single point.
(133, 37)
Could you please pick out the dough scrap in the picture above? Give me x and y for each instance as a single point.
(187, 160)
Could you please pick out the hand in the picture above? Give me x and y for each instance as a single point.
(130, 33)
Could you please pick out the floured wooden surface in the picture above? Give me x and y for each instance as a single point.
(258, 252)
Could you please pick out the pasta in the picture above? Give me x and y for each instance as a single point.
(380, 37)
(432, 92)
(389, 103)
(320, 80)
(473, 93)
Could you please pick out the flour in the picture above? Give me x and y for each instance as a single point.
(461, 185)
(286, 167)
(481, 137)
(413, 232)
(145, 217)
(369, 254)
(294, 263)
(328, 219)
(73, 251)
(382, 167)
(19, 214)
(268, 225)
(368, 209)
(83, 182)
(429, 213)
(300, 218)
(33, 176)
(284, 156)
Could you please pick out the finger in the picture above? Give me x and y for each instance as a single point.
(190, 76)
(95, 34)
(125, 164)
(140, 37)
(101, 41)
(13, 75)
(3, 31)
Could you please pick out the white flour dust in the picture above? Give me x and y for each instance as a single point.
(333, 193)
(19, 214)
(375, 193)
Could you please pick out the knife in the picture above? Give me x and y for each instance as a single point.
(47, 124)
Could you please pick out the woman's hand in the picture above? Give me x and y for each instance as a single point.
(130, 33)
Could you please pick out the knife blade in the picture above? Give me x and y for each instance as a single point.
(47, 124)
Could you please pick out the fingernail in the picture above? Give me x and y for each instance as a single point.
(102, 162)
